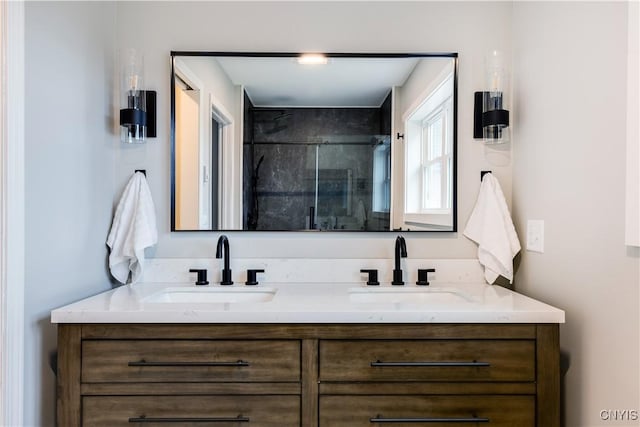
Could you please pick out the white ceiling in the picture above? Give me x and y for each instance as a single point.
(343, 82)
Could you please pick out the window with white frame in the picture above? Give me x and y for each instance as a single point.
(429, 158)
(437, 159)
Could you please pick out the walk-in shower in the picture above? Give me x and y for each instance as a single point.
(328, 185)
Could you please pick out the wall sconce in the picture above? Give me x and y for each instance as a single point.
(138, 119)
(491, 117)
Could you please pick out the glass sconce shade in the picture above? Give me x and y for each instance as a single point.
(491, 114)
(133, 118)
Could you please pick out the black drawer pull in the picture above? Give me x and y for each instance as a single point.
(144, 419)
(442, 364)
(231, 364)
(379, 419)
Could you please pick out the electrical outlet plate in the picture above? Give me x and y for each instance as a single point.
(535, 235)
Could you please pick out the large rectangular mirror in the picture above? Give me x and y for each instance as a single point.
(322, 142)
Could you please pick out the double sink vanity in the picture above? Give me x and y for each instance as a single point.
(295, 353)
(315, 343)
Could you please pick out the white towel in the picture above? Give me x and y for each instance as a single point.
(133, 230)
(490, 226)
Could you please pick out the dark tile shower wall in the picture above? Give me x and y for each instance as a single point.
(385, 116)
(311, 124)
(286, 187)
(287, 177)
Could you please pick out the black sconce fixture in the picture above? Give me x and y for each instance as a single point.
(490, 114)
(138, 119)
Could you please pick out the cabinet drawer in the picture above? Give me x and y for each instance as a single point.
(495, 411)
(427, 360)
(219, 411)
(189, 361)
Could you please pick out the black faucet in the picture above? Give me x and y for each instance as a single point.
(401, 252)
(223, 244)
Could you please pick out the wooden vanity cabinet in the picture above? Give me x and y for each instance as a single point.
(322, 375)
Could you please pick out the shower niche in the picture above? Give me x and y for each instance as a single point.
(264, 142)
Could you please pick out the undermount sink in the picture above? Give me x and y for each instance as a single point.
(211, 295)
(426, 295)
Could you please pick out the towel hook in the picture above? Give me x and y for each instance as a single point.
(143, 171)
(483, 173)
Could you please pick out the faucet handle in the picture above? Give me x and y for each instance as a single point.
(202, 276)
(373, 276)
(423, 279)
(251, 276)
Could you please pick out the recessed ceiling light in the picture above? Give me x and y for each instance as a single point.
(312, 59)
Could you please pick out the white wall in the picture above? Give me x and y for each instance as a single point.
(319, 26)
(569, 170)
(69, 175)
(568, 155)
(632, 226)
(12, 105)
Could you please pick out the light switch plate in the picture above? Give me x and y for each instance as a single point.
(535, 235)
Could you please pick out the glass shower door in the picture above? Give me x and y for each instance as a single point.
(340, 184)
(347, 185)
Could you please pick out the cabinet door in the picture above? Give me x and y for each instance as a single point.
(432, 411)
(218, 411)
(427, 360)
(113, 361)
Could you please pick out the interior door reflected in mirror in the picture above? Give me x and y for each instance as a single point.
(352, 142)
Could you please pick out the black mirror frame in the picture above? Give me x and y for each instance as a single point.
(452, 55)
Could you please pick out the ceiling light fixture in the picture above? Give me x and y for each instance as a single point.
(312, 59)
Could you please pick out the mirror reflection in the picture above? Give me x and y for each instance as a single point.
(357, 143)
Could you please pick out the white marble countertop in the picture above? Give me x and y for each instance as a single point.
(309, 303)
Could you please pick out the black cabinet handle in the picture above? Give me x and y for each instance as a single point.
(231, 364)
(379, 419)
(378, 363)
(144, 419)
